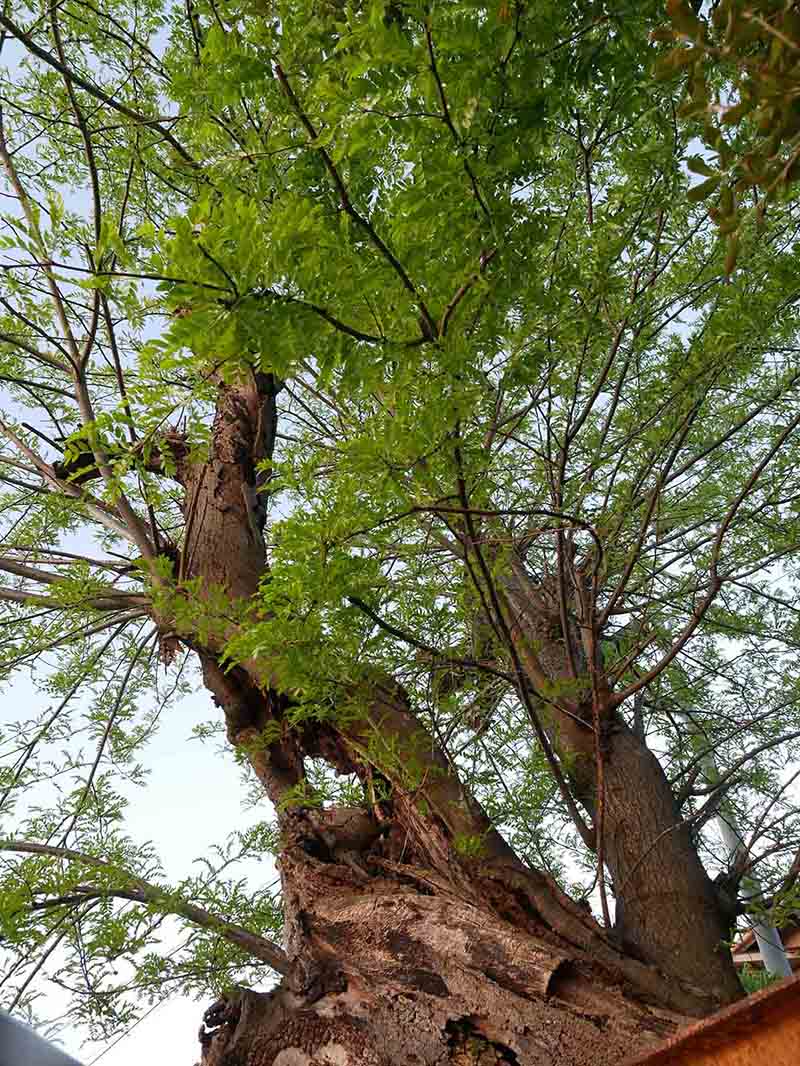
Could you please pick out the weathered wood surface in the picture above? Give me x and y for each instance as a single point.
(762, 1030)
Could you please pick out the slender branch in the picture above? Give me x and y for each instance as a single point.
(448, 121)
(41, 357)
(97, 509)
(113, 618)
(33, 225)
(462, 291)
(342, 327)
(93, 89)
(134, 525)
(112, 717)
(496, 611)
(438, 657)
(22, 762)
(715, 581)
(30, 572)
(792, 875)
(35, 970)
(257, 946)
(94, 182)
(119, 602)
(348, 207)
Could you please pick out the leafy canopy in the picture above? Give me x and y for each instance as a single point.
(465, 238)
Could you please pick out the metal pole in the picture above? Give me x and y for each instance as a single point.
(770, 945)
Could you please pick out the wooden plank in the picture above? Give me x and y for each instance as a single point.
(762, 1030)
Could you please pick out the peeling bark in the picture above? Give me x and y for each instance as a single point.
(401, 948)
(385, 974)
(223, 543)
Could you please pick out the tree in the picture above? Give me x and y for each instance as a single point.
(396, 378)
(739, 61)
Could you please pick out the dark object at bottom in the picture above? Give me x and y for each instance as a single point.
(21, 1046)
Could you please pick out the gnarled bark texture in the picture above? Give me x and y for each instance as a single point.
(407, 972)
(401, 948)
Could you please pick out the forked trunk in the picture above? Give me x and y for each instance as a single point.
(404, 946)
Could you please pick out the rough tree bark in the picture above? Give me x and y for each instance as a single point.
(401, 948)
(667, 910)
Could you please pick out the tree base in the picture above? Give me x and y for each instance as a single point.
(386, 974)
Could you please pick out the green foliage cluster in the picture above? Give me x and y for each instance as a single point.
(741, 65)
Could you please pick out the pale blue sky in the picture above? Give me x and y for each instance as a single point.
(194, 798)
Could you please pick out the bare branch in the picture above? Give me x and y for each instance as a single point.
(347, 205)
(93, 89)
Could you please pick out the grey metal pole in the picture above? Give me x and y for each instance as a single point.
(770, 945)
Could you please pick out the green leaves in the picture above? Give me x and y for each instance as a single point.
(527, 324)
(698, 165)
(741, 82)
(703, 190)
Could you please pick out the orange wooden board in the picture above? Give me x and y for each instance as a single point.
(762, 1030)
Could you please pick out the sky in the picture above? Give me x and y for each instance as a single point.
(194, 797)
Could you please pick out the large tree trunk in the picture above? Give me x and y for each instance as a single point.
(668, 911)
(667, 908)
(401, 948)
(398, 968)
